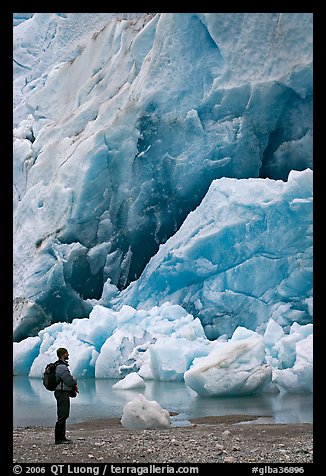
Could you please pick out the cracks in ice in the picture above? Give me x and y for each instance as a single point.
(22, 65)
(245, 294)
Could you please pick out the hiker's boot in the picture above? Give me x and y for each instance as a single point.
(59, 434)
(65, 441)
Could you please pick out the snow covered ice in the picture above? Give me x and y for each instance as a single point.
(163, 227)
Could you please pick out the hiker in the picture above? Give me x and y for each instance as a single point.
(66, 384)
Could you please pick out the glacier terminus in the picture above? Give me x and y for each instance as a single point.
(163, 198)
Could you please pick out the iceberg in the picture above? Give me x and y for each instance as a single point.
(291, 356)
(163, 228)
(235, 367)
(129, 382)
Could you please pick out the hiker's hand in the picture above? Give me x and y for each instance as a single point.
(76, 388)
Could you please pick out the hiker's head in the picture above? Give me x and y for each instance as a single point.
(62, 353)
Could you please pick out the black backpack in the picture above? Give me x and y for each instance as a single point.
(49, 378)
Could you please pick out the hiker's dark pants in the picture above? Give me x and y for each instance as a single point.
(63, 408)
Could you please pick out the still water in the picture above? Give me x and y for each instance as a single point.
(34, 405)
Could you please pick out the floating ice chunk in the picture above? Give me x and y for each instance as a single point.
(235, 367)
(82, 355)
(171, 356)
(146, 372)
(130, 381)
(24, 355)
(141, 413)
(286, 346)
(292, 358)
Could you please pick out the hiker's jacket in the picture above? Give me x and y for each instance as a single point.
(64, 378)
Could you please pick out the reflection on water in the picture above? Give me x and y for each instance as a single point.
(34, 405)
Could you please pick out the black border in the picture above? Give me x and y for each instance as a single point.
(6, 198)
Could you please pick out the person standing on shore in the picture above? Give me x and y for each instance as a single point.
(66, 384)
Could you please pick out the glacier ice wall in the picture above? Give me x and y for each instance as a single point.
(121, 125)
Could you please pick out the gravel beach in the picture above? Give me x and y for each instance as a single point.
(222, 439)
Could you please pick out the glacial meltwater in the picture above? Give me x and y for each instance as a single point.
(34, 405)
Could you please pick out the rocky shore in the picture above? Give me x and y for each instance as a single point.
(223, 439)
